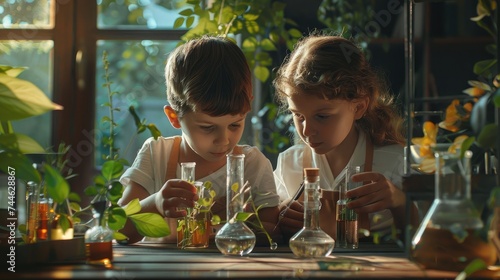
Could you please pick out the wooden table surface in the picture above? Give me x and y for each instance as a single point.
(150, 261)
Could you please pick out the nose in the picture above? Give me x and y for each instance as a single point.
(222, 137)
(307, 128)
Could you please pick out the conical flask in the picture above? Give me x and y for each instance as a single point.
(235, 238)
(447, 238)
(311, 241)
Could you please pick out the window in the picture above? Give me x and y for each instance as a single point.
(62, 43)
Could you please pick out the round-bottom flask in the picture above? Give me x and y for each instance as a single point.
(311, 241)
(235, 237)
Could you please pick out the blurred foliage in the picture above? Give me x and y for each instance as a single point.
(260, 24)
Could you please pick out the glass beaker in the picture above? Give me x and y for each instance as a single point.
(447, 238)
(99, 238)
(311, 241)
(235, 238)
(193, 231)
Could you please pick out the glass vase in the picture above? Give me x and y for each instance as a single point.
(235, 238)
(448, 237)
(311, 241)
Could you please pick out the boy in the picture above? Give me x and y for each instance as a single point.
(209, 91)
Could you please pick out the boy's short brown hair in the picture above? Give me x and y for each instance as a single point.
(211, 75)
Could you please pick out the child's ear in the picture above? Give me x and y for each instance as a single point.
(172, 116)
(360, 108)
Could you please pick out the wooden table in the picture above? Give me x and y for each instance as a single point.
(149, 261)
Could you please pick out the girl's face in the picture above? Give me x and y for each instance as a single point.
(212, 138)
(322, 124)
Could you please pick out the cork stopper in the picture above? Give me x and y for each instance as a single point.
(311, 174)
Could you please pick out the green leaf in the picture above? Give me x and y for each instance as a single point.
(466, 145)
(112, 169)
(117, 218)
(215, 220)
(243, 216)
(57, 187)
(488, 135)
(496, 99)
(252, 27)
(119, 236)
(21, 142)
(12, 71)
(262, 73)
(74, 197)
(473, 266)
(134, 206)
(20, 99)
(155, 132)
(189, 21)
(268, 45)
(186, 12)
(150, 224)
(178, 22)
(12, 160)
(483, 67)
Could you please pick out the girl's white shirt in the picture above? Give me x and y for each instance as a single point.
(387, 160)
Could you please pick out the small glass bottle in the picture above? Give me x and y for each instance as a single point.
(235, 238)
(311, 241)
(447, 238)
(99, 238)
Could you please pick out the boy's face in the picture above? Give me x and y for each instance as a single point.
(322, 124)
(212, 138)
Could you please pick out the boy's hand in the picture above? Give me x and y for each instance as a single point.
(173, 195)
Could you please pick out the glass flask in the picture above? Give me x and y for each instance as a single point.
(448, 238)
(235, 238)
(99, 238)
(311, 241)
(347, 219)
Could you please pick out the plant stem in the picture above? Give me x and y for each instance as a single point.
(110, 101)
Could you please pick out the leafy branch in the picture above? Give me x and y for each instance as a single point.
(107, 184)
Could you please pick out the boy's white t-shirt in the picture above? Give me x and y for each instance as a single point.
(387, 160)
(150, 165)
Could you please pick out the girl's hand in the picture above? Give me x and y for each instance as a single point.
(175, 193)
(292, 220)
(375, 196)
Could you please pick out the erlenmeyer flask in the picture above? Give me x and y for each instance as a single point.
(447, 238)
(311, 241)
(235, 238)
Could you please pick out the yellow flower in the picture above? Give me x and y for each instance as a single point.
(456, 115)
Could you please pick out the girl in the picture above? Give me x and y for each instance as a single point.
(209, 92)
(344, 117)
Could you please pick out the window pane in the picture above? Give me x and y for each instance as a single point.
(136, 71)
(142, 14)
(37, 56)
(32, 14)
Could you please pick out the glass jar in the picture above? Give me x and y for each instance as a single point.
(448, 237)
(99, 238)
(311, 241)
(235, 238)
